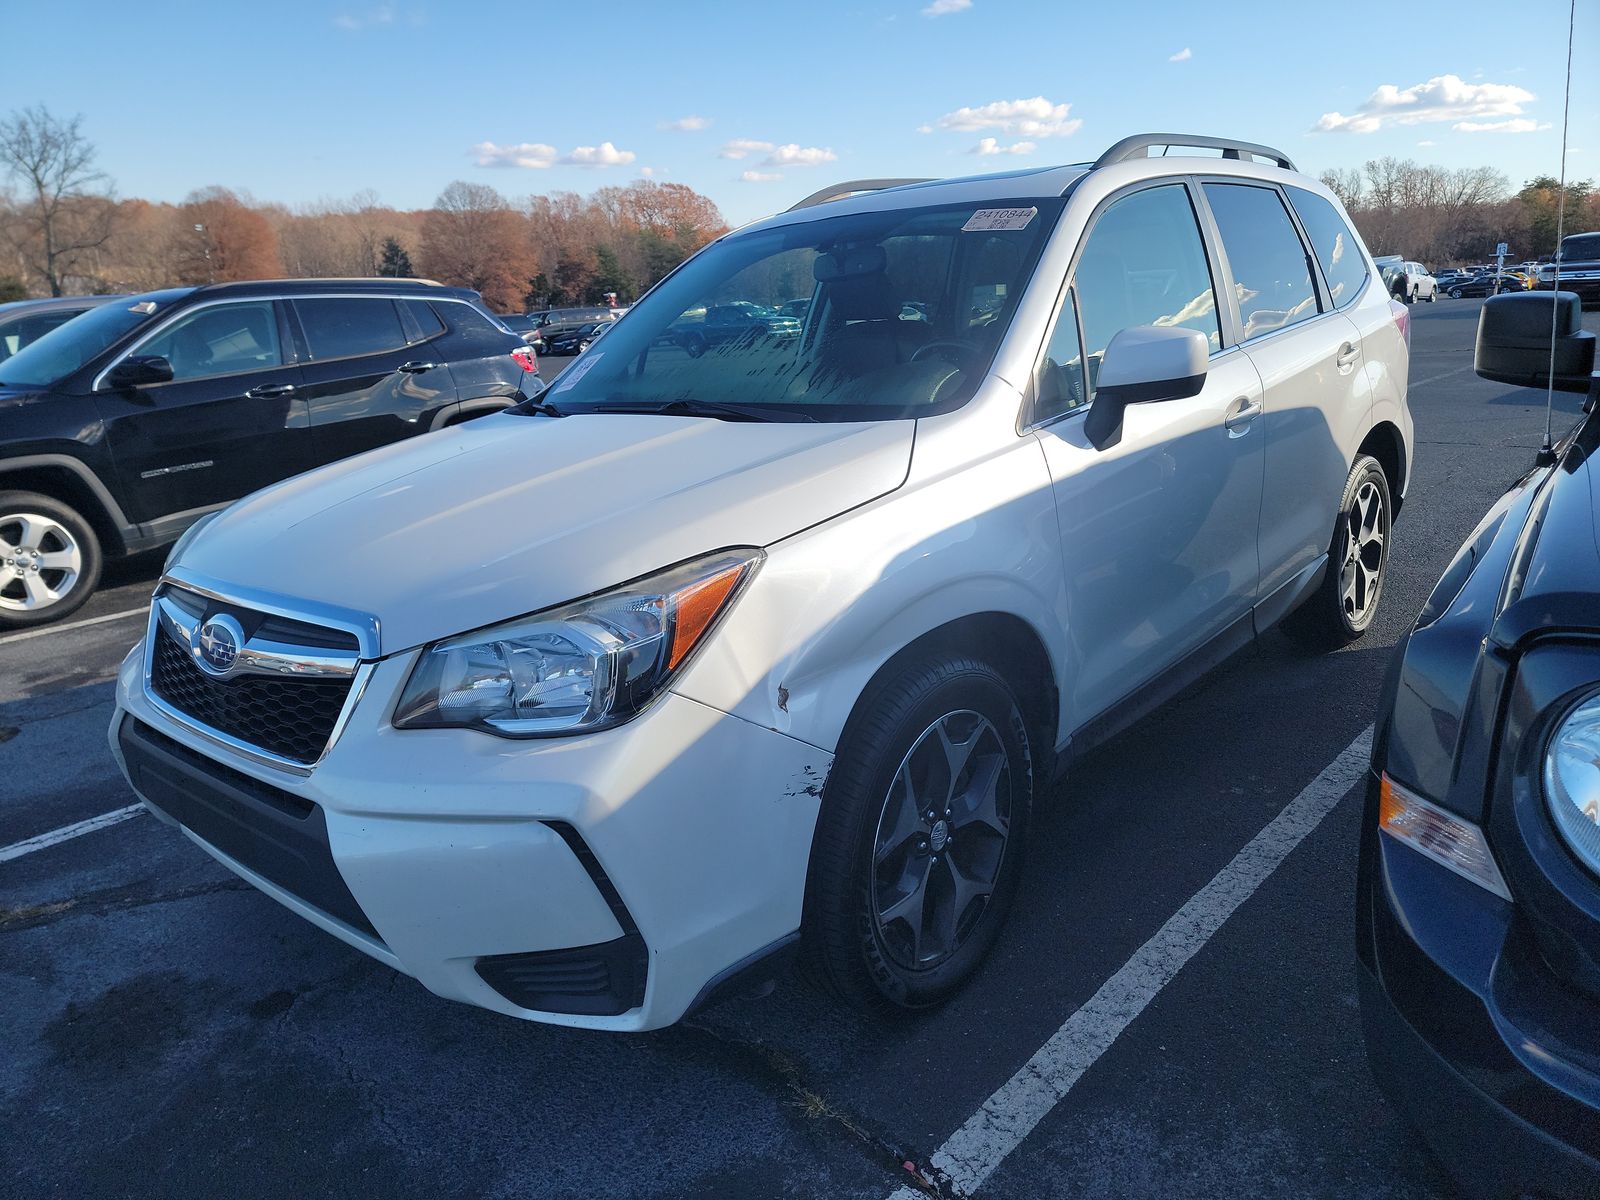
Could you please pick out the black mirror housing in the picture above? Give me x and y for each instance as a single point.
(141, 370)
(1514, 341)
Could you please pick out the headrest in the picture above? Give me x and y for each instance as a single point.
(864, 298)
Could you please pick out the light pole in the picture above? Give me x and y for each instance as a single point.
(205, 248)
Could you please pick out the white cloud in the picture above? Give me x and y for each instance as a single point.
(523, 154)
(1033, 118)
(1427, 142)
(1183, 55)
(1513, 125)
(1442, 98)
(603, 155)
(794, 155)
(943, 8)
(688, 124)
(647, 172)
(383, 14)
(743, 148)
(989, 145)
(760, 176)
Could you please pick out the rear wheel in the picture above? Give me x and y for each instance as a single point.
(918, 850)
(1343, 606)
(49, 560)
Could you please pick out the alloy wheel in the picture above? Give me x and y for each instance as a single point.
(1366, 526)
(40, 562)
(941, 839)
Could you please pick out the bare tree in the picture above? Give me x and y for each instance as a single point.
(65, 211)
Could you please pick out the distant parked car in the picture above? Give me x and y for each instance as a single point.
(576, 341)
(23, 322)
(1411, 281)
(1487, 284)
(125, 426)
(1445, 279)
(1579, 262)
(553, 322)
(736, 322)
(524, 327)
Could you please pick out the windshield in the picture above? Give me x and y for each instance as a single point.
(859, 317)
(1580, 247)
(63, 350)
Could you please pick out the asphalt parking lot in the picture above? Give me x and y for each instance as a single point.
(171, 1031)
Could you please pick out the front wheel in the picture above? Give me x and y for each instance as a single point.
(1433, 296)
(49, 560)
(918, 849)
(1344, 604)
(1455, 293)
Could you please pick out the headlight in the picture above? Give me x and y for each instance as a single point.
(1572, 779)
(585, 666)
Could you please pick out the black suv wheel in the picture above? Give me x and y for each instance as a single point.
(49, 560)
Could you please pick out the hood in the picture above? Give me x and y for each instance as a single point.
(1562, 577)
(507, 515)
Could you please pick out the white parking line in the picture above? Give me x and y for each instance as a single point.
(68, 832)
(975, 1150)
(116, 616)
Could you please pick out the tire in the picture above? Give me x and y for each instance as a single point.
(1433, 296)
(858, 939)
(1344, 604)
(1455, 293)
(50, 560)
(1411, 296)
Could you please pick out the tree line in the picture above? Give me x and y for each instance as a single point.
(1444, 217)
(64, 231)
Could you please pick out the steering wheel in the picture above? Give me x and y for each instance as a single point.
(956, 352)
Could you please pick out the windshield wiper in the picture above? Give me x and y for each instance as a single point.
(543, 407)
(703, 408)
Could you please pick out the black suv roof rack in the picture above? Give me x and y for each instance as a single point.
(1135, 147)
(850, 188)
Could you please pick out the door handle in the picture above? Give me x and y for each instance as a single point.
(416, 368)
(1242, 413)
(1345, 359)
(267, 391)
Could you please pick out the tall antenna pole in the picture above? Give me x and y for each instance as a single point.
(1546, 452)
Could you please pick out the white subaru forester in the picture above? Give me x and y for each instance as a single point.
(768, 626)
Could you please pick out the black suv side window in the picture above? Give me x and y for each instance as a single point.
(1144, 264)
(347, 326)
(219, 339)
(426, 321)
(1271, 269)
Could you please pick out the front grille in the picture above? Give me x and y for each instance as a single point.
(292, 718)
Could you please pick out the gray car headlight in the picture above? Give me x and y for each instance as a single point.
(584, 666)
(1572, 779)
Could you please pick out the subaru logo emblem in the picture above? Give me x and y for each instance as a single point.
(216, 644)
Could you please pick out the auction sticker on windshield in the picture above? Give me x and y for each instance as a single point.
(990, 219)
(577, 372)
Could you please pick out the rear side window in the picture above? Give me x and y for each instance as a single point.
(343, 327)
(1337, 248)
(1271, 270)
(425, 322)
(1144, 264)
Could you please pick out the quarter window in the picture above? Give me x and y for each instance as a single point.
(343, 327)
(222, 339)
(1271, 269)
(1060, 385)
(1143, 264)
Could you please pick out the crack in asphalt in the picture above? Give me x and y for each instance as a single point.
(780, 1075)
(98, 904)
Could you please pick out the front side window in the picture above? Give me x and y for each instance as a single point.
(1271, 270)
(903, 313)
(1144, 264)
(219, 339)
(347, 326)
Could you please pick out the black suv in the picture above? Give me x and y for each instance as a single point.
(123, 427)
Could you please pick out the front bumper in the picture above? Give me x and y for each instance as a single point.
(463, 854)
(1470, 1037)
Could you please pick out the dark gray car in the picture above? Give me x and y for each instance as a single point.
(23, 322)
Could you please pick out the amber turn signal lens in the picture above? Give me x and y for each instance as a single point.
(697, 607)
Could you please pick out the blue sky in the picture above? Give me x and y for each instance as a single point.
(757, 104)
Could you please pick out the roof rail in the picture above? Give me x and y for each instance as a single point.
(850, 188)
(1135, 146)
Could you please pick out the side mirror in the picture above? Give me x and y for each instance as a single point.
(140, 371)
(1514, 341)
(1144, 365)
